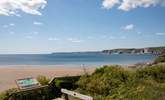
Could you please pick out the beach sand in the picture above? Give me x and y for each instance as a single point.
(8, 74)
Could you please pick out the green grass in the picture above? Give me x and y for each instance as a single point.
(43, 80)
(117, 83)
(160, 59)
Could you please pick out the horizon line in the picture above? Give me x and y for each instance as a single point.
(79, 51)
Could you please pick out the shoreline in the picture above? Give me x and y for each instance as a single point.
(48, 66)
(8, 74)
(72, 65)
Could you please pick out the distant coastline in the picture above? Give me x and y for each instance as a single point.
(148, 50)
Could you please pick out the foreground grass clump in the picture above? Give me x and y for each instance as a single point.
(67, 82)
(37, 94)
(160, 59)
(43, 80)
(156, 73)
(118, 83)
(104, 80)
(7, 93)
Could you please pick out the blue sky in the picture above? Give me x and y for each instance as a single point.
(80, 25)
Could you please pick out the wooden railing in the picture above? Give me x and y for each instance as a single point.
(75, 94)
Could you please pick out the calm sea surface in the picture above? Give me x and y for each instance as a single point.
(88, 59)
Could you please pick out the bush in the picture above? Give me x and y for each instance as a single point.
(139, 90)
(36, 94)
(7, 93)
(155, 72)
(43, 80)
(160, 59)
(104, 80)
(117, 83)
(67, 82)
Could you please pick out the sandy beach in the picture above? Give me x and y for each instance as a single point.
(8, 74)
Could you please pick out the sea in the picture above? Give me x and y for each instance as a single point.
(74, 59)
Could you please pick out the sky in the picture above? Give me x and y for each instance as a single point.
(45, 26)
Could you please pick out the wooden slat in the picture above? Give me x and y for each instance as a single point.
(75, 94)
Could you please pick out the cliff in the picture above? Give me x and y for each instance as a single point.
(149, 50)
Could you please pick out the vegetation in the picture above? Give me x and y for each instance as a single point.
(43, 80)
(156, 73)
(45, 93)
(7, 93)
(160, 59)
(118, 83)
(67, 82)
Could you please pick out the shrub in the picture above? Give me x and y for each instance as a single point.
(67, 82)
(160, 59)
(155, 72)
(45, 93)
(43, 80)
(139, 90)
(6, 94)
(117, 83)
(104, 80)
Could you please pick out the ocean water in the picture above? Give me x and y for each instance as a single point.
(77, 59)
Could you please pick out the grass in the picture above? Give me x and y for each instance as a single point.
(117, 83)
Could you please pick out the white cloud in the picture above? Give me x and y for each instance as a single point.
(110, 3)
(8, 25)
(77, 41)
(127, 5)
(53, 39)
(74, 40)
(37, 23)
(28, 37)
(139, 33)
(90, 37)
(5, 26)
(160, 34)
(35, 33)
(69, 39)
(13, 7)
(103, 36)
(12, 32)
(128, 27)
(112, 37)
(12, 24)
(123, 37)
(32, 33)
